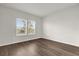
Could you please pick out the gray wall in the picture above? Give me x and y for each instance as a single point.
(63, 26)
(8, 26)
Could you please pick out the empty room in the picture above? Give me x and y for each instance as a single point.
(39, 29)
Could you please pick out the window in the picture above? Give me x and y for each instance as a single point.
(21, 26)
(31, 27)
(24, 27)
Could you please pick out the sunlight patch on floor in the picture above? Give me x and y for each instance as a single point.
(28, 50)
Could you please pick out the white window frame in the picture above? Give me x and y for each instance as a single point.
(34, 30)
(25, 29)
(26, 32)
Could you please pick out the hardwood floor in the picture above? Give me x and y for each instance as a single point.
(39, 47)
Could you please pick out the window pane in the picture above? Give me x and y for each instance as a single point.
(21, 26)
(31, 27)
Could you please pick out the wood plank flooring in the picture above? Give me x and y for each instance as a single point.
(39, 47)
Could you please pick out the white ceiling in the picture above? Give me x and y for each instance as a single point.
(39, 9)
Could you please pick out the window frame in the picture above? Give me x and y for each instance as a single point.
(34, 29)
(25, 28)
(27, 25)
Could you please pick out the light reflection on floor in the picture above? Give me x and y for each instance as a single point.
(30, 49)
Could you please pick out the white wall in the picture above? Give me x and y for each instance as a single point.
(8, 26)
(63, 26)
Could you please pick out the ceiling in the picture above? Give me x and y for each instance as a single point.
(39, 9)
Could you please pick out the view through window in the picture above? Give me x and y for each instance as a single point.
(25, 26)
(31, 27)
